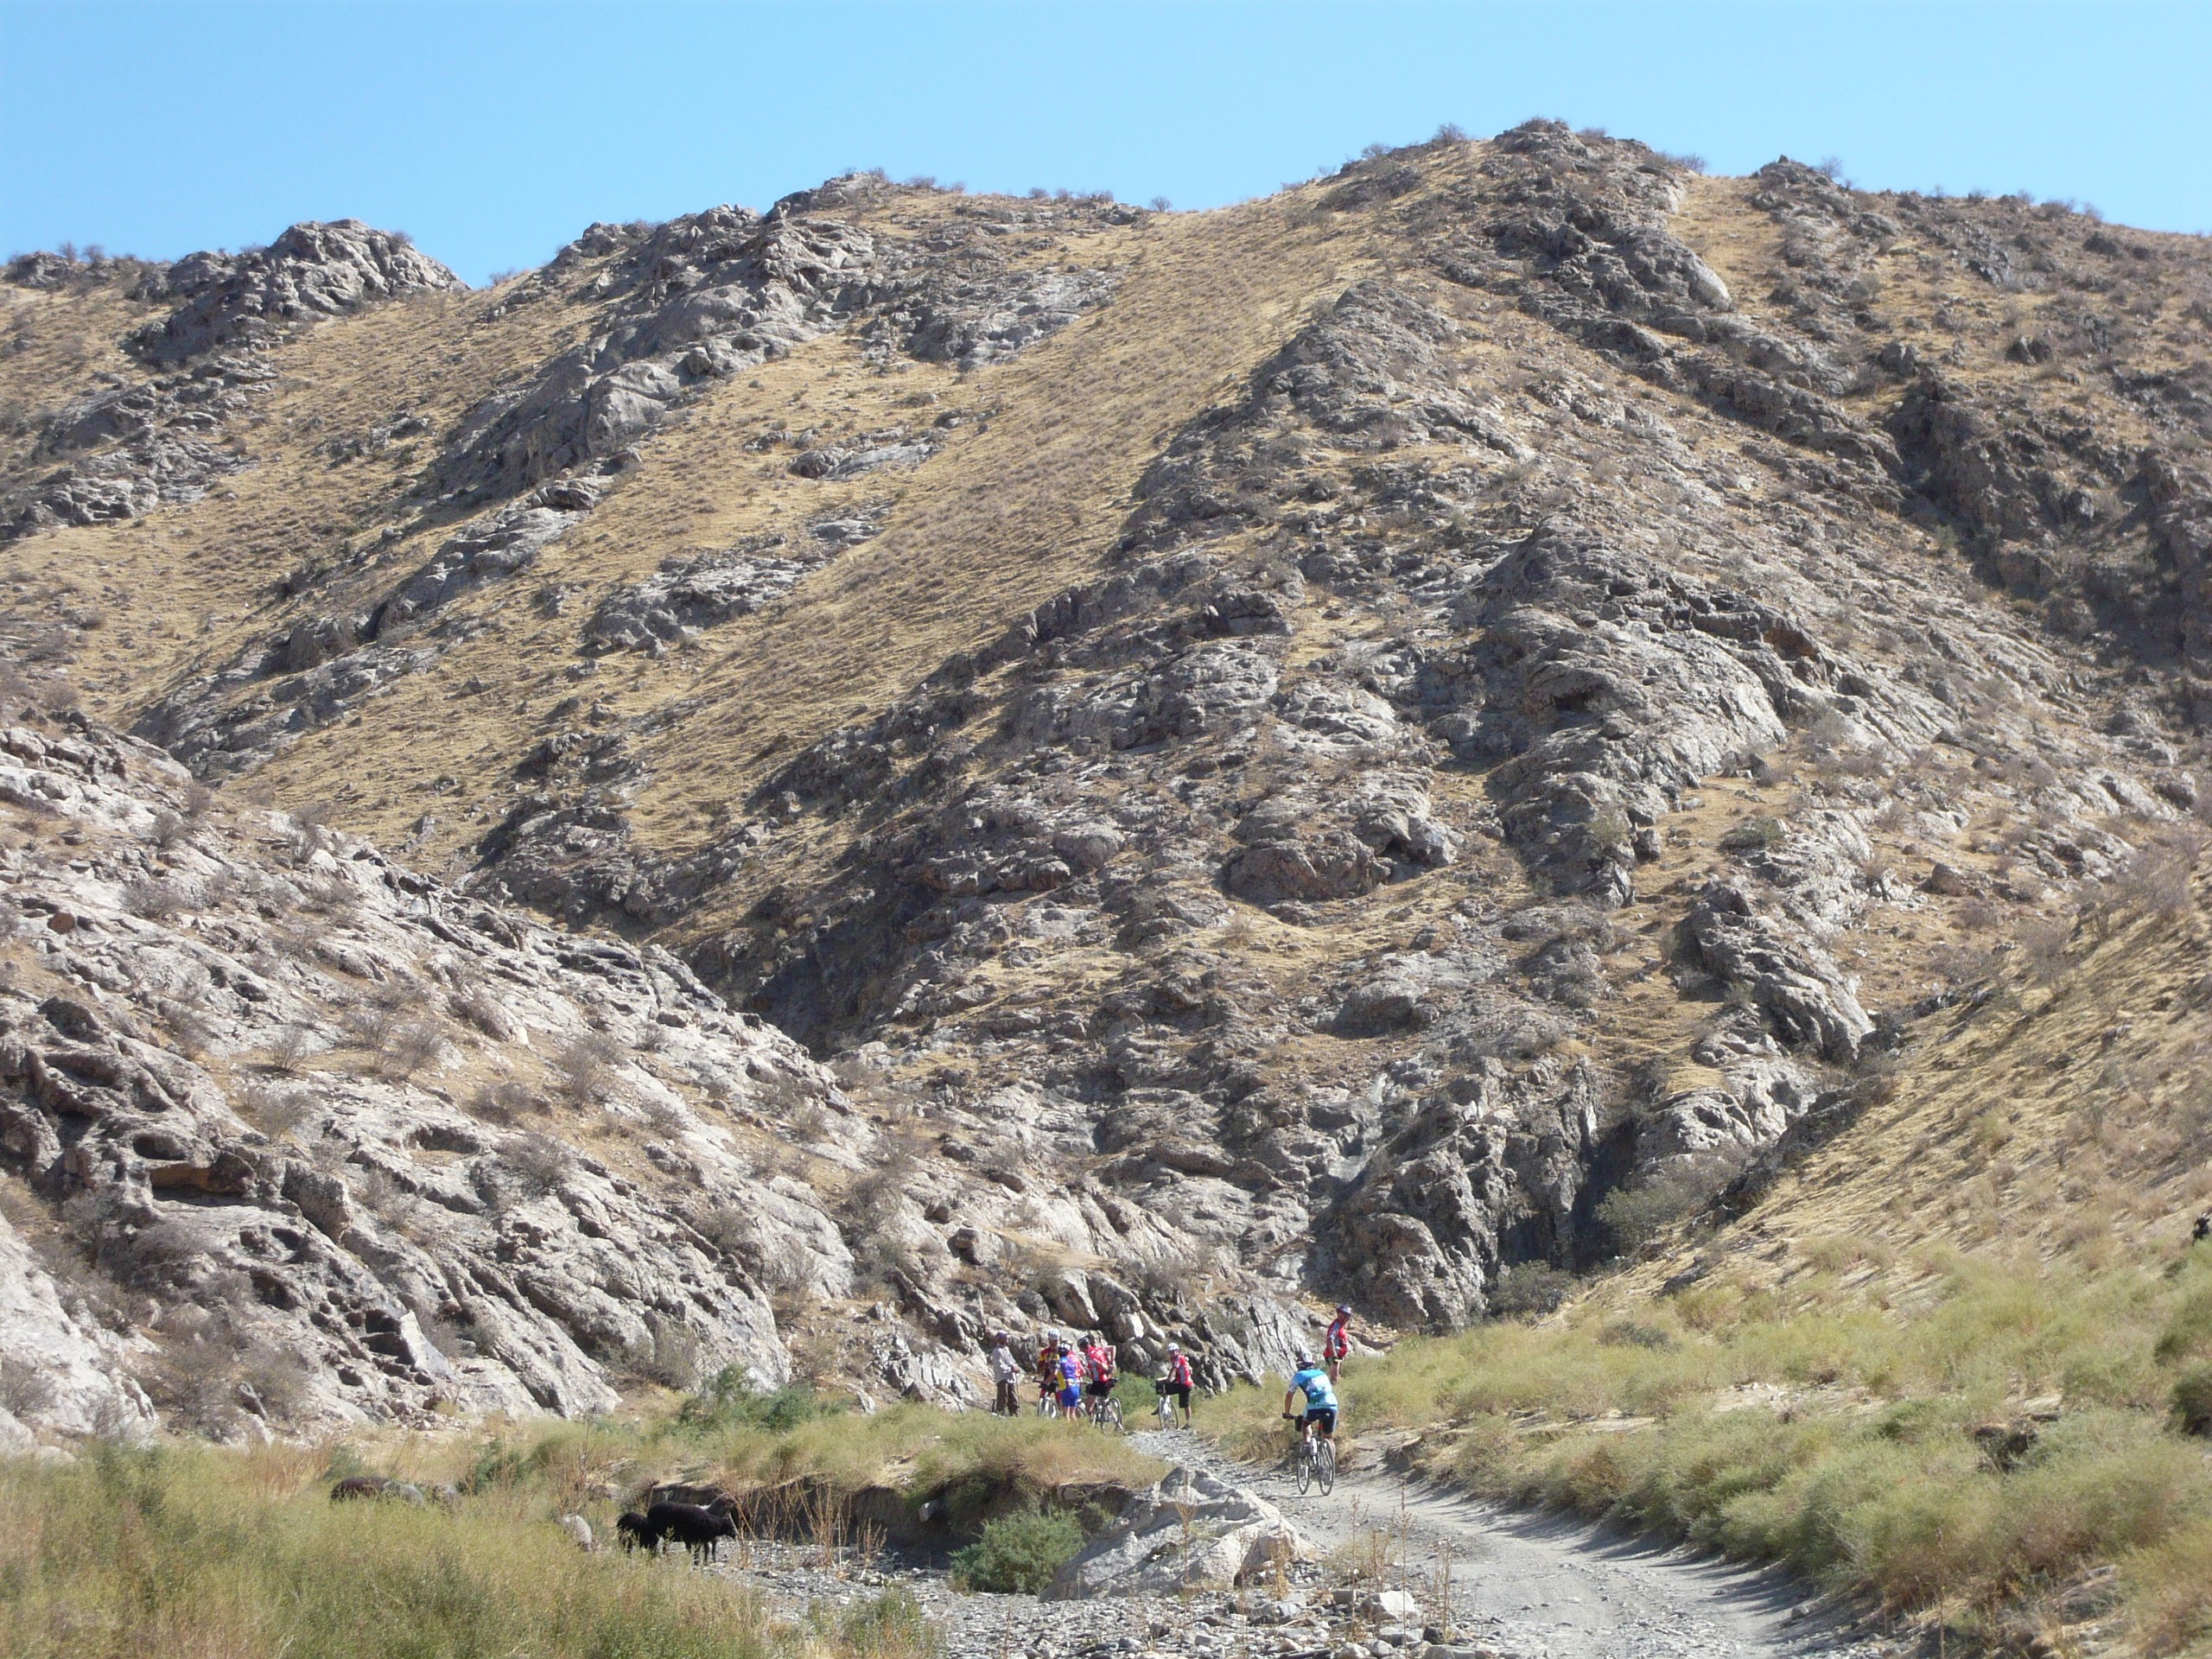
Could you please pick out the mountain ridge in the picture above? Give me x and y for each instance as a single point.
(1372, 723)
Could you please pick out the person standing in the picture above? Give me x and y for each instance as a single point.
(1176, 1385)
(1048, 1369)
(1005, 1377)
(1338, 1343)
(1071, 1376)
(1100, 1364)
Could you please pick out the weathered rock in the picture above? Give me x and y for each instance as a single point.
(1190, 1532)
(1796, 982)
(312, 271)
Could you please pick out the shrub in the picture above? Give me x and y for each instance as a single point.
(891, 1625)
(1017, 1554)
(2192, 1400)
(728, 1399)
(1755, 836)
(585, 1066)
(1636, 1215)
(539, 1163)
(1531, 1289)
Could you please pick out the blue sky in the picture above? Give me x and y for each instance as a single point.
(493, 132)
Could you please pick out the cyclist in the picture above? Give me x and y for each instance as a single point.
(1337, 1343)
(1176, 1385)
(1070, 1372)
(1048, 1367)
(1006, 1375)
(1098, 1360)
(1320, 1412)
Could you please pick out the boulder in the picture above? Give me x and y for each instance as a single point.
(1190, 1532)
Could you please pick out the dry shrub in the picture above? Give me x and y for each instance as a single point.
(275, 1112)
(584, 1066)
(539, 1163)
(502, 1100)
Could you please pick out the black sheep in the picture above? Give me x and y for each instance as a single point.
(630, 1528)
(697, 1528)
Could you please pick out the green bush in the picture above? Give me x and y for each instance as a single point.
(2192, 1400)
(1139, 1399)
(1754, 836)
(1530, 1290)
(727, 1400)
(1017, 1554)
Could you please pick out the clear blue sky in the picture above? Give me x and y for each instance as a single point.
(493, 132)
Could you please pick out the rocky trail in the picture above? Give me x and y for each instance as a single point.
(1523, 1586)
(1544, 1587)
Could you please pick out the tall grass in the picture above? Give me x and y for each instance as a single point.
(192, 1551)
(1835, 1435)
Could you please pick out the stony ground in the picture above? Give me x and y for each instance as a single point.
(1521, 1586)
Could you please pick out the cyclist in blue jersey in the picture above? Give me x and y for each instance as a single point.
(1320, 1399)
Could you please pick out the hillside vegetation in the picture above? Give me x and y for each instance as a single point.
(790, 789)
(1955, 1360)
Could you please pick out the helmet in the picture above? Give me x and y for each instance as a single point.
(1343, 1307)
(1306, 1362)
(1175, 1347)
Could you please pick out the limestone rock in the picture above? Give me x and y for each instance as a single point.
(1190, 1532)
(312, 271)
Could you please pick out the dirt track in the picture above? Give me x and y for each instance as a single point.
(1536, 1586)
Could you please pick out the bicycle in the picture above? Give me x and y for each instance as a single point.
(1106, 1412)
(1315, 1461)
(1165, 1408)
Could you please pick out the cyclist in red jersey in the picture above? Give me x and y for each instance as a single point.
(1337, 1343)
(1177, 1386)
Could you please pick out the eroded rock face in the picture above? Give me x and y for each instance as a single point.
(1190, 1532)
(325, 1240)
(711, 294)
(312, 271)
(293, 1136)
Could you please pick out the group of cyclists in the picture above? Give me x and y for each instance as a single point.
(1075, 1378)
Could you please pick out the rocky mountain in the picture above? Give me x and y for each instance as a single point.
(995, 759)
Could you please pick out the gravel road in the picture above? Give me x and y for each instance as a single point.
(1521, 1586)
(1538, 1587)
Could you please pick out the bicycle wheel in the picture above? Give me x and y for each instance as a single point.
(1112, 1415)
(1305, 1468)
(1325, 1466)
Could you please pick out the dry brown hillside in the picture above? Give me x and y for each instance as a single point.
(1393, 727)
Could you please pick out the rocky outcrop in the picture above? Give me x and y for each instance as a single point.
(710, 295)
(247, 1096)
(1190, 1532)
(319, 669)
(129, 450)
(313, 270)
